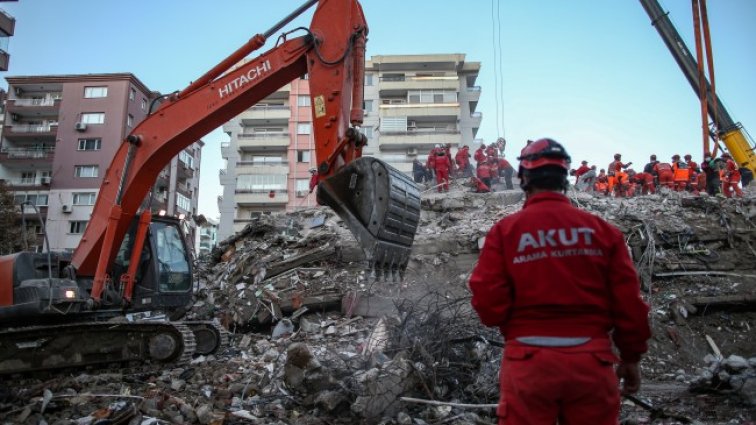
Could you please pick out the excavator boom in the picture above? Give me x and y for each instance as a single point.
(378, 203)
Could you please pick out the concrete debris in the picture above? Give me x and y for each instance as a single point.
(315, 340)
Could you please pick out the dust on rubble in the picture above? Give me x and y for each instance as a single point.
(316, 340)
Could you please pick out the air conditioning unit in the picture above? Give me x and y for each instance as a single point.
(80, 126)
(412, 151)
(67, 208)
(45, 180)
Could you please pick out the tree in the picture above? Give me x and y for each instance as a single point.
(10, 230)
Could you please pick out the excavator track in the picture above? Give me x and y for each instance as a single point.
(209, 337)
(44, 348)
(381, 206)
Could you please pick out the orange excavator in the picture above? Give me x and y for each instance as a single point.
(112, 300)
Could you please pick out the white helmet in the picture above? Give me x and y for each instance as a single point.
(438, 146)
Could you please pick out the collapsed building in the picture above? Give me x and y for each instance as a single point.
(317, 340)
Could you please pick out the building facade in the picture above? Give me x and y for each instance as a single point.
(60, 134)
(207, 237)
(7, 29)
(412, 102)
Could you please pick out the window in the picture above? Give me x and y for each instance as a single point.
(144, 104)
(93, 118)
(367, 131)
(130, 120)
(183, 202)
(77, 227)
(37, 199)
(432, 96)
(132, 93)
(302, 187)
(90, 144)
(260, 182)
(368, 105)
(368, 79)
(28, 177)
(93, 92)
(186, 159)
(84, 198)
(87, 170)
(303, 156)
(304, 128)
(303, 100)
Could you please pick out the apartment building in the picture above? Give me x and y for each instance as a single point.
(268, 158)
(7, 29)
(59, 135)
(207, 237)
(412, 102)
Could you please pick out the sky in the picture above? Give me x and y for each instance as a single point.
(594, 75)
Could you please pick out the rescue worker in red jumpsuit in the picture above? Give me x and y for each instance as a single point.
(484, 173)
(646, 181)
(480, 187)
(731, 180)
(462, 158)
(313, 179)
(602, 182)
(560, 285)
(480, 154)
(452, 165)
(695, 172)
(665, 175)
(430, 164)
(442, 165)
(584, 168)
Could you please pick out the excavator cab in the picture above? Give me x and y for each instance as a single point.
(164, 275)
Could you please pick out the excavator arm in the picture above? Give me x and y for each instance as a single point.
(378, 203)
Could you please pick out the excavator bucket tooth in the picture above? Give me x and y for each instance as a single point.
(381, 206)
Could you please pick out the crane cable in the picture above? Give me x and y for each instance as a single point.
(496, 64)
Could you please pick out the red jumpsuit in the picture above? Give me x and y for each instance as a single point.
(462, 158)
(646, 181)
(582, 170)
(479, 156)
(480, 187)
(731, 180)
(553, 270)
(442, 165)
(484, 173)
(665, 174)
(431, 162)
(313, 181)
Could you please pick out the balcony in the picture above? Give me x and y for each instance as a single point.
(264, 141)
(30, 132)
(476, 118)
(429, 110)
(259, 167)
(225, 149)
(184, 171)
(49, 107)
(38, 183)
(422, 139)
(257, 197)
(23, 156)
(257, 115)
(388, 85)
(473, 93)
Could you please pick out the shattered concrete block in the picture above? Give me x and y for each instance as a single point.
(379, 396)
(330, 400)
(735, 363)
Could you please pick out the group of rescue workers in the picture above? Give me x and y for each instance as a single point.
(491, 167)
(713, 176)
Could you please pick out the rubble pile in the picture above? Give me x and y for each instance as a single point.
(316, 340)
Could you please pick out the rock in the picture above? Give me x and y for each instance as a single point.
(403, 419)
(205, 414)
(735, 363)
(284, 328)
(330, 400)
(748, 390)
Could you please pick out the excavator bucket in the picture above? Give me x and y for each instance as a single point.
(381, 206)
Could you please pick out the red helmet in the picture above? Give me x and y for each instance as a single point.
(544, 152)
